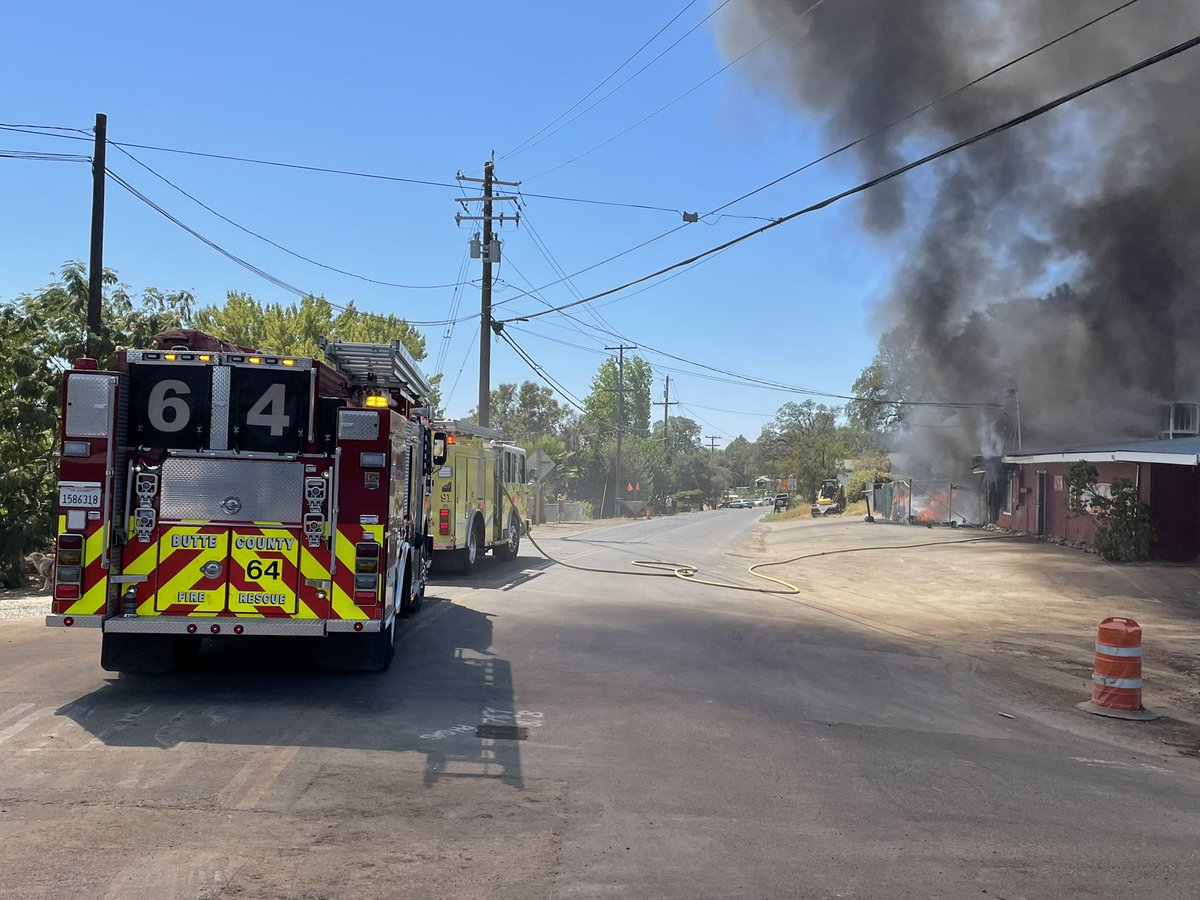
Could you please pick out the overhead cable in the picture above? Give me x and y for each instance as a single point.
(277, 245)
(894, 173)
(718, 210)
(605, 81)
(595, 103)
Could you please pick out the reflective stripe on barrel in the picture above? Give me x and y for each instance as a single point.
(1117, 679)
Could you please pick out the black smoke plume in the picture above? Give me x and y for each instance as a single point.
(1102, 195)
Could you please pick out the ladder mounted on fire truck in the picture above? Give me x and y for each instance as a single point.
(385, 366)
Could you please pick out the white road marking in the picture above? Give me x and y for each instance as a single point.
(21, 724)
(15, 711)
(1117, 764)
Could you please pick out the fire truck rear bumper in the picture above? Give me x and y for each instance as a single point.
(56, 621)
(261, 627)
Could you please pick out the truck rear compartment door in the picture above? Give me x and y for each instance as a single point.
(264, 570)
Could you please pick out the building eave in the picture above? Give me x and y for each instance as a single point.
(1070, 456)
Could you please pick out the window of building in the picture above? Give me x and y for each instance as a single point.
(1009, 490)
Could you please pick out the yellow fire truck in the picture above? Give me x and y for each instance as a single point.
(475, 472)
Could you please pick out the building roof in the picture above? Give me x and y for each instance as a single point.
(1178, 452)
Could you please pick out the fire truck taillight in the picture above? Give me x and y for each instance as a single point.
(77, 448)
(366, 572)
(376, 401)
(68, 571)
(444, 521)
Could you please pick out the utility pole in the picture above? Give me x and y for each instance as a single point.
(489, 251)
(666, 403)
(96, 261)
(620, 348)
(712, 442)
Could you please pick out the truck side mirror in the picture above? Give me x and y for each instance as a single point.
(439, 448)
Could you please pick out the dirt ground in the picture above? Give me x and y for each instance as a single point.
(1016, 610)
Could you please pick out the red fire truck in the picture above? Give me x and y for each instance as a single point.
(207, 490)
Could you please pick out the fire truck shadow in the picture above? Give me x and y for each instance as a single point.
(497, 574)
(446, 698)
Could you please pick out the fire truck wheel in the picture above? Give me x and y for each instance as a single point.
(508, 550)
(468, 556)
(409, 602)
(386, 649)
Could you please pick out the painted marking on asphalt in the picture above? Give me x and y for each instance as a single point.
(523, 717)
(15, 711)
(446, 732)
(21, 724)
(280, 761)
(1117, 764)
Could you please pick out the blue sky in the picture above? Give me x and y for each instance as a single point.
(422, 91)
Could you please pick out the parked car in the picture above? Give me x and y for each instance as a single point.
(781, 502)
(765, 500)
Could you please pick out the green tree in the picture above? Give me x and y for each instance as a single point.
(525, 412)
(296, 328)
(683, 435)
(47, 331)
(740, 458)
(601, 404)
(803, 440)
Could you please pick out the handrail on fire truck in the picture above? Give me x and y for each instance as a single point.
(386, 366)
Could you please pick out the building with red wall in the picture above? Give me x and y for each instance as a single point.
(1166, 473)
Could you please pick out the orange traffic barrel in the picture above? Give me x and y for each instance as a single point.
(1117, 673)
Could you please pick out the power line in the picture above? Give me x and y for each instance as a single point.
(647, 118)
(606, 80)
(44, 156)
(275, 244)
(743, 380)
(285, 165)
(32, 129)
(865, 137)
(894, 173)
(594, 104)
(329, 170)
(541, 373)
(954, 93)
(470, 347)
(262, 273)
(249, 266)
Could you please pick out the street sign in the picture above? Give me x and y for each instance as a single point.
(538, 465)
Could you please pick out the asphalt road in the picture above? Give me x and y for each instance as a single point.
(676, 740)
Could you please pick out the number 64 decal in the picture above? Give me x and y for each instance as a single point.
(169, 412)
(256, 570)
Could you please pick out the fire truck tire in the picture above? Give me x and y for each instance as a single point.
(508, 550)
(468, 556)
(369, 652)
(140, 653)
(409, 603)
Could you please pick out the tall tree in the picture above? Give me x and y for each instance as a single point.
(803, 441)
(297, 328)
(46, 331)
(601, 403)
(525, 412)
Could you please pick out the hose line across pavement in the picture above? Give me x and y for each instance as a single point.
(653, 568)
